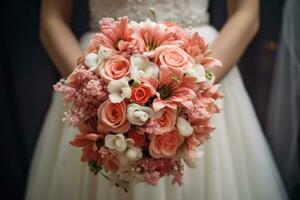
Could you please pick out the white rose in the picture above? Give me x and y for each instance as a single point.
(93, 60)
(116, 142)
(138, 115)
(119, 90)
(197, 72)
(134, 153)
(184, 127)
(142, 67)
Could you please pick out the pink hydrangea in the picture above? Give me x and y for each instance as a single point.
(152, 178)
(85, 92)
(153, 169)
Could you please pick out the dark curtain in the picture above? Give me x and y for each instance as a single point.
(26, 78)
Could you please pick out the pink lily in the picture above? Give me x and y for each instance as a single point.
(149, 36)
(114, 35)
(173, 90)
(87, 139)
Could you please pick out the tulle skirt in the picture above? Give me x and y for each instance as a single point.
(237, 163)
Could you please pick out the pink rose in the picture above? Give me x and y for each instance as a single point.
(112, 116)
(165, 146)
(166, 121)
(173, 56)
(116, 67)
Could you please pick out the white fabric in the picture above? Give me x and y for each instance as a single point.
(184, 12)
(237, 163)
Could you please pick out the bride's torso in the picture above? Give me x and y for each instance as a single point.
(185, 12)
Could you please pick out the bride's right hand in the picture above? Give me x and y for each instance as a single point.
(57, 36)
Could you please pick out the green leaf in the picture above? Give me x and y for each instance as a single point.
(135, 84)
(174, 78)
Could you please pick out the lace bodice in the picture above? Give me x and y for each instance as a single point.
(185, 12)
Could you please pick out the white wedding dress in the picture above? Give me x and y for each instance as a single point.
(237, 163)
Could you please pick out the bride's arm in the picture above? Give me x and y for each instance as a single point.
(236, 34)
(57, 36)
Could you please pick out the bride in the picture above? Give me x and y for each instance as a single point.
(237, 164)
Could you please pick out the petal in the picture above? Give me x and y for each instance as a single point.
(141, 67)
(211, 62)
(152, 71)
(115, 98)
(134, 153)
(92, 136)
(198, 72)
(126, 92)
(134, 72)
(192, 163)
(184, 127)
(116, 85)
(109, 141)
(188, 104)
(158, 105)
(91, 61)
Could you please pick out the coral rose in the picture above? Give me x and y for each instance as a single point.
(113, 116)
(165, 146)
(141, 94)
(166, 119)
(173, 56)
(116, 67)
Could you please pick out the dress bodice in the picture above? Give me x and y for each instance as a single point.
(184, 12)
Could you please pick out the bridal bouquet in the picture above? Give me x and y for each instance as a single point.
(142, 99)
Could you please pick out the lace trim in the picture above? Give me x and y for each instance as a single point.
(186, 13)
(191, 22)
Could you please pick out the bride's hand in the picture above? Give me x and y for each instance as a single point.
(236, 34)
(57, 36)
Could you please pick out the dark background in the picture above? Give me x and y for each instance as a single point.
(27, 76)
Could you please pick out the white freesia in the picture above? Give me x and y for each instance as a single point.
(134, 153)
(197, 72)
(192, 163)
(146, 23)
(119, 90)
(93, 60)
(116, 142)
(133, 24)
(184, 127)
(142, 67)
(138, 115)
